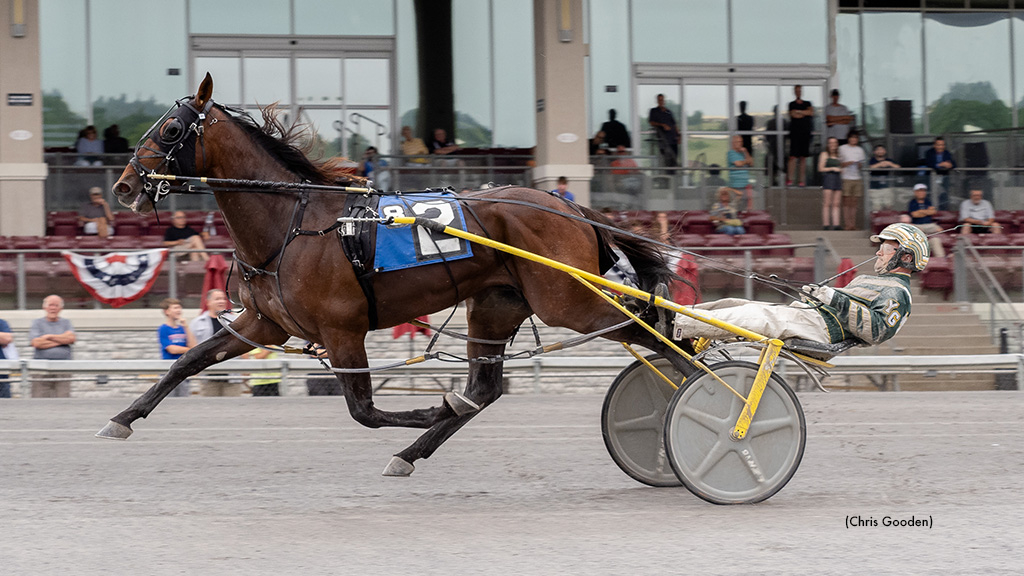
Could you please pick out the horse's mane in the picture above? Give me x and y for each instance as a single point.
(292, 146)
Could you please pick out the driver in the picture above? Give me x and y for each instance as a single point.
(870, 309)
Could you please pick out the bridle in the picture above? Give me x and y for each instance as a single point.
(176, 135)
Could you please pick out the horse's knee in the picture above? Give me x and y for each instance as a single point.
(366, 415)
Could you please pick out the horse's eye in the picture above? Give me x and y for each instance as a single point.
(172, 131)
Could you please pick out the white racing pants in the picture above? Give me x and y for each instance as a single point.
(798, 320)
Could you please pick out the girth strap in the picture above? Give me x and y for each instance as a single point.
(359, 249)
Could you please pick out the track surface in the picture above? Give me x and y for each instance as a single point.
(292, 486)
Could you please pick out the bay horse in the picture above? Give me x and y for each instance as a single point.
(305, 286)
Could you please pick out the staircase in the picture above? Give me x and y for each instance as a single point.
(936, 327)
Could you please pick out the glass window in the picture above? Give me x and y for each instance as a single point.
(967, 87)
(408, 68)
(647, 98)
(514, 107)
(227, 77)
(66, 104)
(236, 17)
(848, 62)
(327, 125)
(365, 128)
(367, 81)
(344, 17)
(471, 44)
(318, 81)
(680, 31)
(892, 66)
(790, 32)
(256, 87)
(706, 107)
(1018, 52)
(609, 64)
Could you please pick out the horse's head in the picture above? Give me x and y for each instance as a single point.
(169, 147)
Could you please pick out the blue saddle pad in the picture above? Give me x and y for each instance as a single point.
(400, 247)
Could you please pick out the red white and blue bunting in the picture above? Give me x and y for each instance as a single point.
(119, 277)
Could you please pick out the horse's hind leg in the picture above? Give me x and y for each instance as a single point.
(492, 315)
(222, 346)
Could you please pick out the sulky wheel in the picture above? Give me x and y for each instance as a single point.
(698, 427)
(633, 421)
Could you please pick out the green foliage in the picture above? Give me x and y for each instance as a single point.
(60, 124)
(953, 115)
(134, 118)
(470, 133)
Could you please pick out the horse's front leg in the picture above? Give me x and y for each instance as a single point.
(222, 346)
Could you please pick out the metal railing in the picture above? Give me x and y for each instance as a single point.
(971, 269)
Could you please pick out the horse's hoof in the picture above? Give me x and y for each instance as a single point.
(398, 467)
(460, 404)
(115, 431)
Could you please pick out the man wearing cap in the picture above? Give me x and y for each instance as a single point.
(95, 217)
(919, 213)
(871, 309)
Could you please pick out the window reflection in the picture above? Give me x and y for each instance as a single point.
(227, 77)
(794, 32)
(471, 63)
(848, 61)
(967, 87)
(265, 81)
(680, 31)
(609, 63)
(514, 107)
(235, 17)
(344, 17)
(892, 65)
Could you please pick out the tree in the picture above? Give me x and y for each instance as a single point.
(974, 104)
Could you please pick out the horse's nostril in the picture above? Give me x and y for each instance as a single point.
(122, 188)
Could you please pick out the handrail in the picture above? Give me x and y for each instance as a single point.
(992, 289)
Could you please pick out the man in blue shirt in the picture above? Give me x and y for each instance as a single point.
(920, 211)
(941, 161)
(175, 338)
(6, 337)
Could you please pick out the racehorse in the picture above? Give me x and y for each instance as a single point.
(303, 284)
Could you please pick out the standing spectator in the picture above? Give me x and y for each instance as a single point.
(838, 119)
(95, 217)
(920, 211)
(772, 156)
(977, 216)
(89, 147)
(664, 124)
(113, 143)
(413, 146)
(52, 338)
(739, 157)
(441, 144)
(938, 159)
(265, 383)
(745, 123)
(831, 184)
(181, 236)
(724, 213)
(801, 124)
(562, 191)
(882, 194)
(615, 132)
(7, 352)
(203, 327)
(175, 338)
(851, 160)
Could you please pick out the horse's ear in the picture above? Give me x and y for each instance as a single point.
(205, 92)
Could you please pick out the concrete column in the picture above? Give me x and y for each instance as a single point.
(22, 171)
(562, 140)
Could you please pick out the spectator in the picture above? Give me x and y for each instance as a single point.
(738, 157)
(95, 217)
(113, 143)
(745, 123)
(662, 231)
(920, 211)
(597, 145)
(977, 216)
(626, 172)
(413, 146)
(851, 160)
(562, 191)
(801, 124)
(89, 148)
(182, 237)
(203, 328)
(838, 119)
(441, 144)
(615, 133)
(724, 213)
(52, 338)
(831, 184)
(773, 157)
(329, 386)
(882, 193)
(175, 338)
(372, 168)
(265, 383)
(7, 352)
(664, 124)
(938, 159)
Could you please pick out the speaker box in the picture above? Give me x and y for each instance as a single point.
(899, 116)
(975, 155)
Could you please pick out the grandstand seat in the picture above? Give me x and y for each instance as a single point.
(61, 242)
(721, 241)
(802, 270)
(151, 241)
(684, 240)
(28, 243)
(883, 218)
(752, 240)
(1016, 239)
(992, 240)
(219, 242)
(757, 223)
(938, 275)
(93, 243)
(64, 229)
(124, 227)
(946, 219)
(698, 223)
(779, 240)
(124, 242)
(720, 274)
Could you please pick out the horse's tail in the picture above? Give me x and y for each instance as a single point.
(649, 262)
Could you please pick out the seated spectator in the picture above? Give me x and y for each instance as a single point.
(724, 213)
(626, 173)
(113, 143)
(597, 145)
(95, 217)
(413, 146)
(562, 191)
(977, 216)
(919, 213)
(882, 193)
(182, 237)
(371, 168)
(89, 148)
(441, 144)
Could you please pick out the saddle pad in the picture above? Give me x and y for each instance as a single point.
(400, 247)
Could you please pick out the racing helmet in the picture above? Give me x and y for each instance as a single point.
(911, 240)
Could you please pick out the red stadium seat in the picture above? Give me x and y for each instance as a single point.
(721, 241)
(938, 275)
(779, 240)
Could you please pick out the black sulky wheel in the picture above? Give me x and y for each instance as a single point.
(633, 421)
(698, 427)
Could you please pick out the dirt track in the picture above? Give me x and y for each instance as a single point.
(292, 486)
